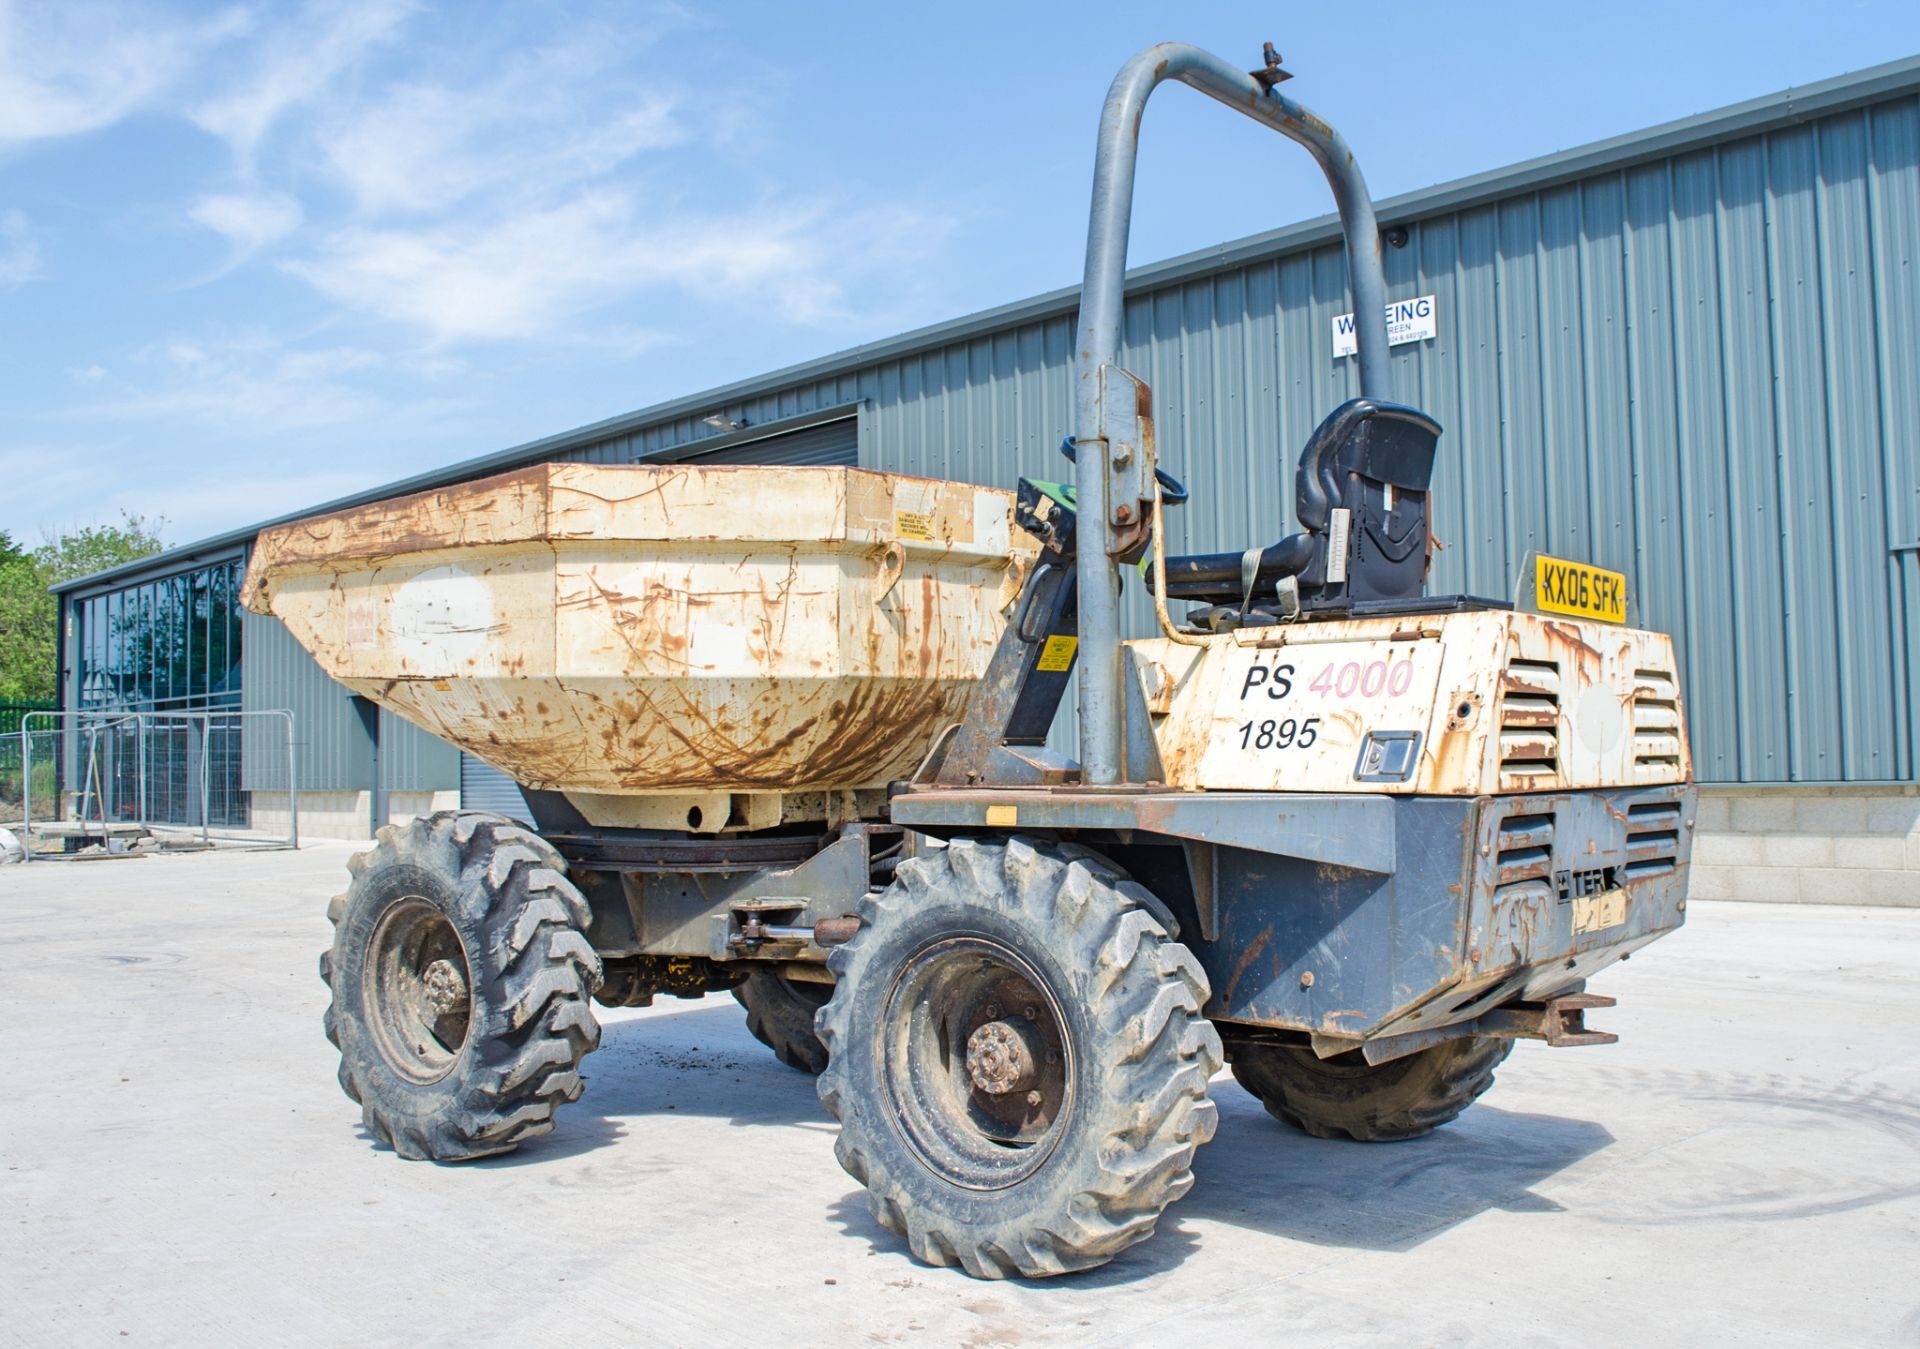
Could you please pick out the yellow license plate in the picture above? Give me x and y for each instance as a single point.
(1576, 588)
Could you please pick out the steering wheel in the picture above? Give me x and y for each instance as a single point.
(1172, 491)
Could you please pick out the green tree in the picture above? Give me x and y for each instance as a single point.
(26, 629)
(29, 618)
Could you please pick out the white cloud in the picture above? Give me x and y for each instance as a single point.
(542, 123)
(249, 221)
(467, 185)
(72, 67)
(250, 381)
(528, 274)
(295, 62)
(19, 251)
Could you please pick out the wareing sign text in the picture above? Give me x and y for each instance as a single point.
(1407, 321)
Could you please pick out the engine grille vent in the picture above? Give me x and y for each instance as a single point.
(1653, 838)
(1524, 851)
(1529, 724)
(1656, 723)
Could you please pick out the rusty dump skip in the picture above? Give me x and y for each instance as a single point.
(655, 629)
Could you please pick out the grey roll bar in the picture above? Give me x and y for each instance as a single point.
(1102, 304)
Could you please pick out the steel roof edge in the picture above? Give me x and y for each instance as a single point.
(1768, 112)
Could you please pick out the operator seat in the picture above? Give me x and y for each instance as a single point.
(1360, 495)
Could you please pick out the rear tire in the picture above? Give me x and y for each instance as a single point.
(1017, 1058)
(781, 1012)
(460, 973)
(1347, 1097)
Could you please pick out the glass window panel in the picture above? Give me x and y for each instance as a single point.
(173, 598)
(146, 686)
(97, 640)
(215, 630)
(181, 640)
(223, 666)
(89, 659)
(156, 640)
(160, 641)
(236, 577)
(197, 610)
(116, 646)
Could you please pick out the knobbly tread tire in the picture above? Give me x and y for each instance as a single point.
(780, 1014)
(1132, 997)
(1384, 1103)
(522, 925)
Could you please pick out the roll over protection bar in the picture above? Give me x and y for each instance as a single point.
(1102, 305)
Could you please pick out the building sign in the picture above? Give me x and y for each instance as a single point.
(1407, 321)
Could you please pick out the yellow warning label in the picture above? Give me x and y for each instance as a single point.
(913, 525)
(1056, 657)
(1001, 816)
(1591, 913)
(1575, 588)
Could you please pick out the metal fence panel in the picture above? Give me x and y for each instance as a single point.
(159, 773)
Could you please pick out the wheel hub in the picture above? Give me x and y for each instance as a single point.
(444, 987)
(976, 1064)
(417, 989)
(1004, 1056)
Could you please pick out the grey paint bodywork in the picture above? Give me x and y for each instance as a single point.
(1360, 918)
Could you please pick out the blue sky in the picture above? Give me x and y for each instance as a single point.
(253, 256)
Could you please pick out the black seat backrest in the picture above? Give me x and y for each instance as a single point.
(1370, 459)
(1374, 459)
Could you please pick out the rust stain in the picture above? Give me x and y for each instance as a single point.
(627, 659)
(1247, 957)
(1571, 636)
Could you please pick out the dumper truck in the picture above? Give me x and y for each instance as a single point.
(789, 732)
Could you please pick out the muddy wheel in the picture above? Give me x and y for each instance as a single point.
(1347, 1097)
(1017, 1058)
(460, 975)
(780, 1013)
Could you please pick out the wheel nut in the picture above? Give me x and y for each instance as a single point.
(1033, 1098)
(445, 987)
(1003, 1056)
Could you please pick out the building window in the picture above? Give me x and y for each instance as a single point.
(163, 646)
(159, 647)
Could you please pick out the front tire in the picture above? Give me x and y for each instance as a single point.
(460, 973)
(1017, 1058)
(1347, 1097)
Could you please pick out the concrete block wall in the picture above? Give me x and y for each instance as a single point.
(1809, 845)
(403, 807)
(345, 814)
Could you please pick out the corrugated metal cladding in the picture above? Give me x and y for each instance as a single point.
(332, 748)
(1703, 370)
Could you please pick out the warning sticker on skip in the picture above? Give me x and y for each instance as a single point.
(913, 525)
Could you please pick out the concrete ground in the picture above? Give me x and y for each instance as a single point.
(1744, 1167)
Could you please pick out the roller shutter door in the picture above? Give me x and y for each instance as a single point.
(830, 443)
(484, 787)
